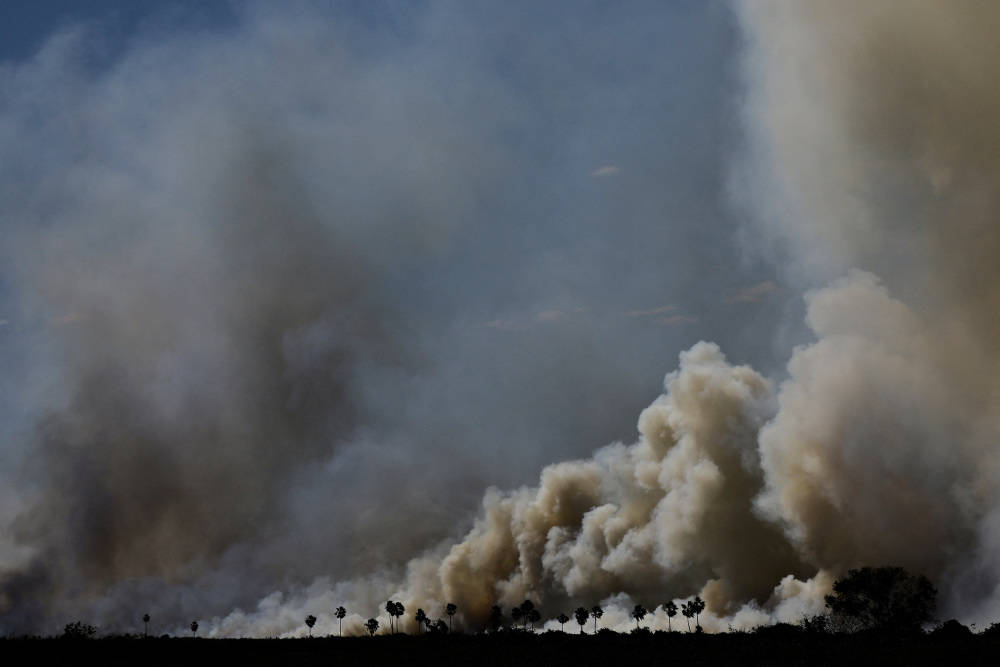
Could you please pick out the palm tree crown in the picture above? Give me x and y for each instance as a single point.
(596, 612)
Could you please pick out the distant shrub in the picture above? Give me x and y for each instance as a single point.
(778, 630)
(951, 630)
(78, 630)
(992, 631)
(818, 624)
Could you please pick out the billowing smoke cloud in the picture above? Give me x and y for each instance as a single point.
(280, 299)
(203, 365)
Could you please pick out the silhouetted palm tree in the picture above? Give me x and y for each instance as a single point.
(340, 614)
(390, 608)
(582, 614)
(638, 613)
(563, 620)
(145, 625)
(596, 612)
(310, 621)
(372, 626)
(533, 617)
(697, 606)
(450, 609)
(688, 610)
(194, 628)
(526, 608)
(516, 614)
(496, 617)
(420, 617)
(671, 610)
(398, 613)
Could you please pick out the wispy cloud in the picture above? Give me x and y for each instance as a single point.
(676, 319)
(605, 171)
(658, 310)
(63, 320)
(551, 315)
(505, 325)
(752, 293)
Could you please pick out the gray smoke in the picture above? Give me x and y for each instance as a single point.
(289, 323)
(279, 300)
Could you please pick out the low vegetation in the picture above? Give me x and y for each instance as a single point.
(876, 615)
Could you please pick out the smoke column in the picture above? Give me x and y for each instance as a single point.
(871, 155)
(870, 171)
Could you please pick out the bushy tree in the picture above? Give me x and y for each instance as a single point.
(398, 612)
(688, 610)
(671, 610)
(390, 608)
(515, 615)
(697, 606)
(420, 617)
(596, 612)
(78, 630)
(340, 613)
(496, 617)
(310, 621)
(581, 614)
(882, 598)
(372, 626)
(533, 617)
(638, 613)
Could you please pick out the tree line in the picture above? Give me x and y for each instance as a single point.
(884, 598)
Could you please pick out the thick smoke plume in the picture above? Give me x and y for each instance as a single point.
(872, 172)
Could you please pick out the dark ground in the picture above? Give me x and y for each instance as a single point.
(775, 646)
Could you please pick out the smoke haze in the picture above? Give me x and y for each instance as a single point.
(283, 298)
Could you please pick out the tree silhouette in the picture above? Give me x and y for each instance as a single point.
(563, 620)
(440, 627)
(340, 613)
(496, 617)
(596, 612)
(145, 625)
(310, 621)
(390, 608)
(884, 598)
(450, 609)
(516, 614)
(671, 610)
(638, 613)
(582, 614)
(697, 606)
(194, 628)
(78, 630)
(420, 617)
(533, 617)
(398, 613)
(372, 626)
(688, 610)
(526, 608)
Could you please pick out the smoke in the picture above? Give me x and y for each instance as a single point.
(281, 298)
(243, 375)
